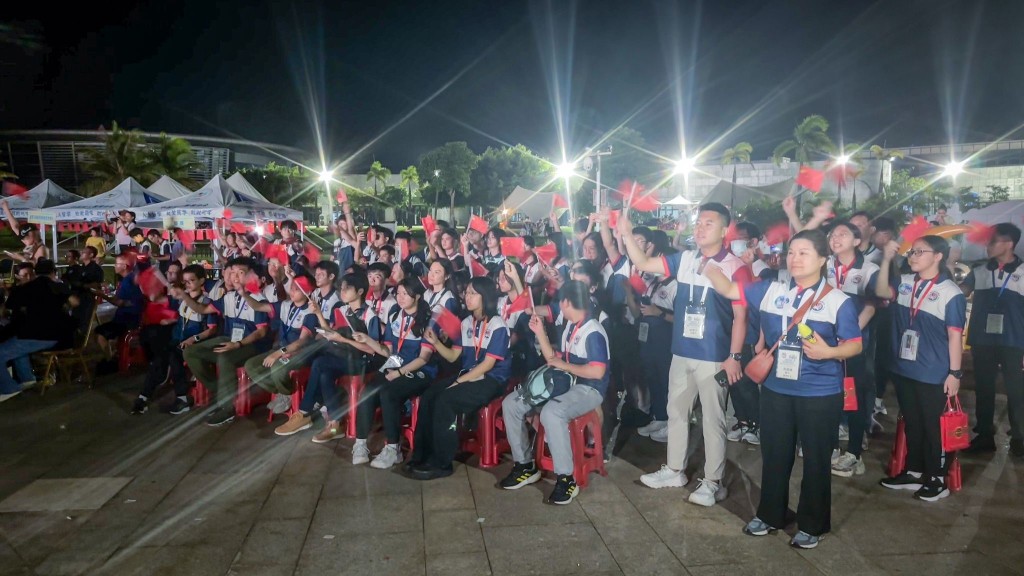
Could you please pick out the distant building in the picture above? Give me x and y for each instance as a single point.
(35, 155)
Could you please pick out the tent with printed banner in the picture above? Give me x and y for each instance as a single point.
(238, 182)
(212, 200)
(168, 188)
(46, 195)
(128, 195)
(536, 205)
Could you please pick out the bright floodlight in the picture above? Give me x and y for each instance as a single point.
(258, 229)
(685, 166)
(953, 169)
(843, 158)
(565, 170)
(326, 175)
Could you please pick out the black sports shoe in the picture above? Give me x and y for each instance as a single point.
(981, 444)
(220, 417)
(565, 490)
(1017, 447)
(521, 475)
(905, 481)
(139, 406)
(180, 406)
(934, 489)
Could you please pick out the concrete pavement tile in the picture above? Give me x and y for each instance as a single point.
(451, 493)
(349, 482)
(452, 531)
(709, 541)
(243, 486)
(525, 507)
(838, 557)
(618, 522)
(646, 559)
(84, 550)
(767, 567)
(64, 494)
(892, 531)
(245, 569)
(367, 515)
(464, 564)
(400, 554)
(291, 501)
(223, 525)
(36, 535)
(11, 564)
(601, 489)
(945, 564)
(169, 561)
(565, 549)
(273, 542)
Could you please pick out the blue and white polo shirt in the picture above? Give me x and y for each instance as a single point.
(238, 315)
(997, 290)
(326, 303)
(294, 321)
(191, 322)
(401, 340)
(443, 298)
(939, 305)
(485, 338)
(585, 344)
(856, 280)
(379, 306)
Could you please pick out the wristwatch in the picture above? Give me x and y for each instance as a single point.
(736, 356)
(958, 374)
(284, 351)
(196, 338)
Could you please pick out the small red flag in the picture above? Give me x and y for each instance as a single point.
(277, 252)
(777, 234)
(637, 283)
(479, 224)
(429, 225)
(151, 282)
(14, 189)
(546, 253)
(156, 312)
(731, 233)
(312, 253)
(238, 228)
(402, 248)
(476, 268)
(613, 218)
(810, 178)
(447, 321)
(559, 201)
(340, 320)
(513, 247)
(522, 302)
(341, 197)
(252, 283)
(187, 239)
(638, 199)
(917, 227)
(228, 214)
(980, 233)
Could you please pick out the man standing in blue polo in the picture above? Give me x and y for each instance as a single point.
(707, 337)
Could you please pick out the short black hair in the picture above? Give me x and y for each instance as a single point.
(75, 253)
(153, 232)
(242, 261)
(136, 232)
(1009, 230)
(753, 232)
(289, 224)
(328, 266)
(379, 267)
(45, 267)
(939, 244)
(24, 265)
(403, 235)
(195, 269)
(885, 224)
(643, 231)
(719, 208)
(387, 248)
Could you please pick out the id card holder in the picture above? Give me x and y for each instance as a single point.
(237, 333)
(787, 365)
(642, 330)
(994, 324)
(908, 345)
(693, 322)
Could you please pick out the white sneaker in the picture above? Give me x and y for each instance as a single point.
(847, 465)
(844, 432)
(752, 436)
(660, 435)
(876, 426)
(736, 432)
(836, 455)
(800, 450)
(387, 458)
(280, 403)
(651, 428)
(708, 492)
(880, 406)
(665, 477)
(360, 453)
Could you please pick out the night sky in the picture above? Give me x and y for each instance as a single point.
(901, 72)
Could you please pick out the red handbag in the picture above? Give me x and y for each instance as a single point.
(849, 394)
(954, 481)
(954, 426)
(898, 457)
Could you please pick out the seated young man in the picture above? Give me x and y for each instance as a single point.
(129, 301)
(214, 361)
(583, 353)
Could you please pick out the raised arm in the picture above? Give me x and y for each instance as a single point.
(446, 352)
(882, 288)
(15, 227)
(638, 257)
(721, 283)
(611, 246)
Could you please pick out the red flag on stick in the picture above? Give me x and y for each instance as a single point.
(187, 239)
(312, 253)
(980, 233)
(252, 283)
(638, 284)
(810, 178)
(546, 253)
(476, 268)
(402, 249)
(277, 252)
(238, 228)
(613, 218)
(342, 197)
(917, 227)
(429, 225)
(156, 312)
(151, 282)
(777, 234)
(559, 201)
(447, 321)
(637, 198)
(14, 189)
(513, 247)
(479, 224)
(522, 302)
(340, 320)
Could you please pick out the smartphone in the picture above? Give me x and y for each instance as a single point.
(722, 378)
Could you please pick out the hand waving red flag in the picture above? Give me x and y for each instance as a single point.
(917, 227)
(546, 253)
(341, 197)
(559, 201)
(476, 268)
(157, 312)
(637, 198)
(429, 225)
(637, 283)
(613, 218)
(340, 320)
(522, 302)
(187, 238)
(479, 224)
(151, 282)
(513, 247)
(447, 321)
(810, 178)
(277, 252)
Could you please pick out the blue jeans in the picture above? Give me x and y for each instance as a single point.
(17, 352)
(321, 388)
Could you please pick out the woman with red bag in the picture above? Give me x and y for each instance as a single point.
(802, 396)
(929, 312)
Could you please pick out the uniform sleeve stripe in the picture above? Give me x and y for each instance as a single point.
(496, 357)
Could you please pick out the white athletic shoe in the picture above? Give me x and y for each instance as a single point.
(736, 432)
(651, 428)
(660, 435)
(847, 465)
(665, 477)
(387, 458)
(708, 492)
(360, 453)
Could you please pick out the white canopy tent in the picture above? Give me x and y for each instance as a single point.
(536, 205)
(46, 195)
(128, 195)
(238, 182)
(1011, 211)
(168, 188)
(678, 201)
(209, 203)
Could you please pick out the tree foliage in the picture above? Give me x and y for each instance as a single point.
(449, 168)
(125, 153)
(998, 194)
(500, 170)
(379, 176)
(810, 141)
(285, 185)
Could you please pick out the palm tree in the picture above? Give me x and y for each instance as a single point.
(738, 154)
(123, 154)
(378, 174)
(810, 140)
(410, 177)
(883, 154)
(174, 157)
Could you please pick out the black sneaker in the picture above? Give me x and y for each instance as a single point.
(905, 481)
(139, 406)
(934, 489)
(521, 475)
(1017, 447)
(180, 406)
(220, 416)
(981, 444)
(565, 490)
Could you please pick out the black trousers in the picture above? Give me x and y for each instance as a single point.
(389, 397)
(860, 421)
(814, 421)
(161, 353)
(883, 349)
(437, 435)
(989, 362)
(922, 405)
(746, 394)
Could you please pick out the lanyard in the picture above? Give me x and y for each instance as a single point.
(841, 272)
(478, 343)
(697, 272)
(292, 313)
(1005, 282)
(403, 330)
(436, 296)
(802, 295)
(239, 301)
(572, 337)
(920, 300)
(322, 300)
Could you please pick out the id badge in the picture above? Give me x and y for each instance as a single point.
(908, 345)
(787, 366)
(693, 322)
(642, 329)
(237, 333)
(994, 324)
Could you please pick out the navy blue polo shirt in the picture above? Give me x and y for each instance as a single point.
(587, 344)
(940, 305)
(293, 321)
(401, 340)
(997, 290)
(493, 342)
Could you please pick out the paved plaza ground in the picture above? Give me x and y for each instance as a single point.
(86, 488)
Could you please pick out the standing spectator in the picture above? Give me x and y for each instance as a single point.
(33, 248)
(97, 241)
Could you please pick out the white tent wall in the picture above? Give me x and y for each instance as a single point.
(128, 195)
(45, 195)
(169, 188)
(238, 182)
(210, 201)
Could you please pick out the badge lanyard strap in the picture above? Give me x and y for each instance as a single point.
(1005, 282)
(841, 273)
(239, 301)
(478, 343)
(785, 323)
(403, 330)
(292, 313)
(697, 272)
(323, 300)
(572, 337)
(914, 310)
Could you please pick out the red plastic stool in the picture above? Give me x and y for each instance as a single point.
(200, 395)
(129, 352)
(248, 396)
(585, 460)
(488, 441)
(355, 384)
(409, 424)
(299, 379)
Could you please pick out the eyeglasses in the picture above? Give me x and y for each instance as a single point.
(918, 252)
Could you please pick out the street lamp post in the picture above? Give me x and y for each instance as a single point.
(597, 189)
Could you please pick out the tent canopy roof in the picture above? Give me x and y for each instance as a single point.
(128, 195)
(210, 202)
(238, 182)
(168, 188)
(45, 195)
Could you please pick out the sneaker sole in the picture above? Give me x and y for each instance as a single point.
(317, 440)
(359, 462)
(751, 442)
(760, 532)
(179, 411)
(901, 486)
(676, 484)
(534, 478)
(935, 498)
(805, 546)
(296, 431)
(221, 423)
(705, 504)
(563, 502)
(376, 466)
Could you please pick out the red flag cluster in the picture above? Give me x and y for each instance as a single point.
(546, 253)
(157, 312)
(513, 247)
(277, 252)
(637, 198)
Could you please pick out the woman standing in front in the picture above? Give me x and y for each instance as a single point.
(802, 397)
(928, 321)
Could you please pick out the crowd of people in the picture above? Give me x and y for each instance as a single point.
(802, 338)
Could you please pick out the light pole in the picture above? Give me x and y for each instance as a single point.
(326, 176)
(588, 163)
(437, 192)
